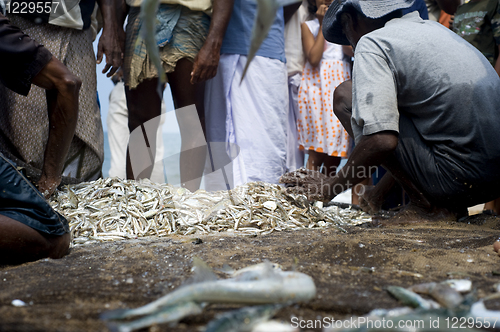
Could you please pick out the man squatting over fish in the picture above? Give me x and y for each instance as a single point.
(423, 103)
(29, 228)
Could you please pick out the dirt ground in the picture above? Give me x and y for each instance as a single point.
(351, 271)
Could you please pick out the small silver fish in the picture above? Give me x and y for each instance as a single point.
(244, 319)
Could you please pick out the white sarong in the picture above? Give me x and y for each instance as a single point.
(294, 156)
(246, 122)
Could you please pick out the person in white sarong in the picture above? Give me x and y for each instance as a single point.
(247, 121)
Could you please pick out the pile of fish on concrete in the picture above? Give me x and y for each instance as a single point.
(265, 287)
(448, 306)
(115, 209)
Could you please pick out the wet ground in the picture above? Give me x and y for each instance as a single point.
(351, 271)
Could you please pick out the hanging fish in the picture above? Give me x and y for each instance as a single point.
(149, 8)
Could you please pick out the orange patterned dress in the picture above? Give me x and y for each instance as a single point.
(318, 127)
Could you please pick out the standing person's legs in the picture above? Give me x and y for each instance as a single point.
(259, 120)
(193, 148)
(143, 104)
(118, 132)
(315, 160)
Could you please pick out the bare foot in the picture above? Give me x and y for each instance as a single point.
(414, 214)
(369, 201)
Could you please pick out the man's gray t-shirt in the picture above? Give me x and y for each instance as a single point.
(440, 82)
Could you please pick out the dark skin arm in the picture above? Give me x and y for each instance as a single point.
(449, 6)
(371, 151)
(313, 47)
(207, 60)
(112, 39)
(62, 104)
(497, 63)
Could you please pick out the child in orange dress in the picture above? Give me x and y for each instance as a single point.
(320, 132)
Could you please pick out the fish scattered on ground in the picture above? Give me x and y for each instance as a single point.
(244, 319)
(443, 293)
(260, 284)
(170, 314)
(410, 298)
(113, 209)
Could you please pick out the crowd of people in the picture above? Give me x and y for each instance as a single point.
(378, 84)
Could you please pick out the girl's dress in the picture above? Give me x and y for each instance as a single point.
(318, 127)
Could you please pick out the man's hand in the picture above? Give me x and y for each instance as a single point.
(47, 185)
(205, 64)
(314, 185)
(111, 44)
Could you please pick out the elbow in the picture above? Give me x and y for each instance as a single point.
(314, 62)
(384, 143)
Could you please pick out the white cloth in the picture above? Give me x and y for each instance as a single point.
(293, 41)
(246, 122)
(294, 156)
(118, 135)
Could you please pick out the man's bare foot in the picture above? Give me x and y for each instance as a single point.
(414, 214)
(369, 201)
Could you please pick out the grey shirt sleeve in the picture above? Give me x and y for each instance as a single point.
(375, 104)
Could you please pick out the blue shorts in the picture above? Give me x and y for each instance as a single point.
(21, 201)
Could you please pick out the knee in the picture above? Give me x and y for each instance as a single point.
(69, 84)
(59, 246)
(342, 99)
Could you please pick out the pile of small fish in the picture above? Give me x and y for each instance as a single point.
(115, 209)
(263, 285)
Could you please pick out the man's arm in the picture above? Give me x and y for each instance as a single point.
(449, 6)
(62, 103)
(207, 60)
(371, 151)
(112, 39)
(497, 63)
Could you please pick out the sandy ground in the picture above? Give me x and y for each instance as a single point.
(351, 271)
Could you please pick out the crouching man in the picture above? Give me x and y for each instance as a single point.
(423, 103)
(29, 228)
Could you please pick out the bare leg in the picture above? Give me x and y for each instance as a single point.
(20, 243)
(143, 104)
(330, 165)
(193, 146)
(62, 103)
(315, 160)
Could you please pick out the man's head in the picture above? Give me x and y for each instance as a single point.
(346, 21)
